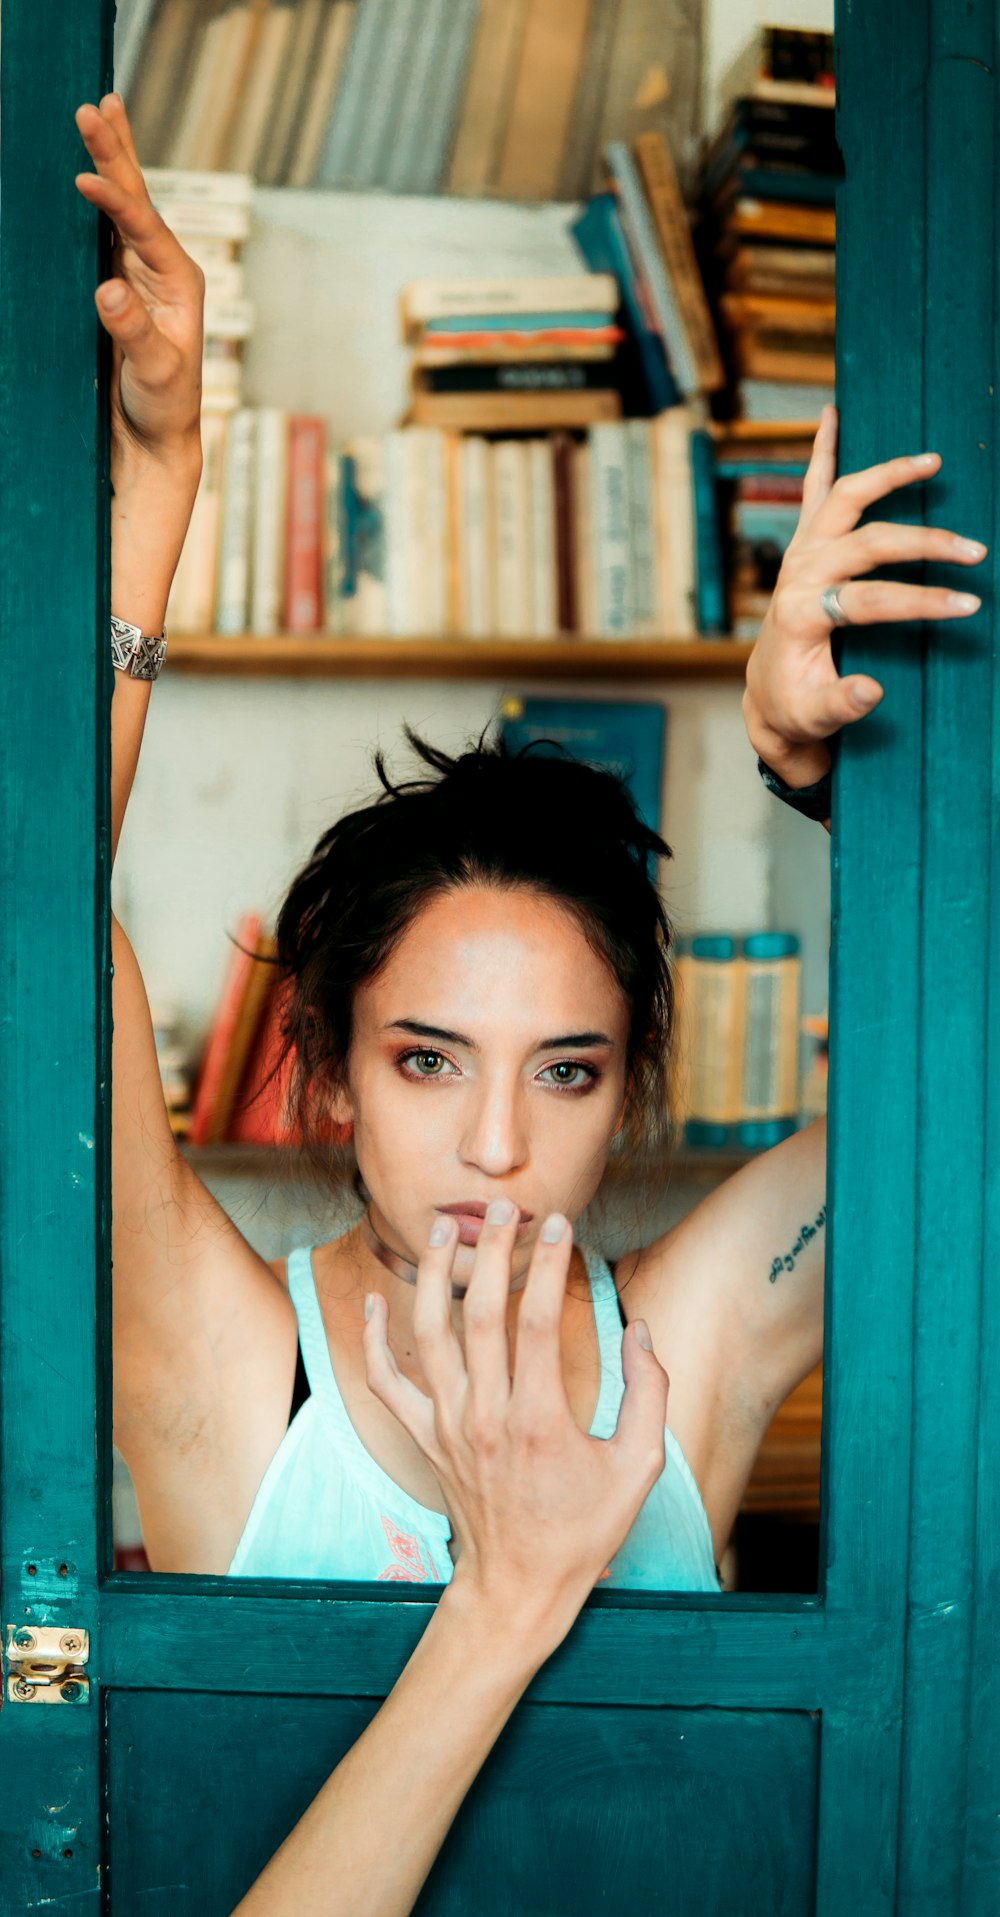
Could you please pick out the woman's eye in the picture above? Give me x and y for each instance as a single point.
(426, 1064)
(570, 1074)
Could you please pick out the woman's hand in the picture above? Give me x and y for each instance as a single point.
(157, 331)
(794, 696)
(538, 1507)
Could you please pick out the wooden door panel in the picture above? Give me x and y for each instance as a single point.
(584, 1809)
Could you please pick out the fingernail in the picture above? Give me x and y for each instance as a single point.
(441, 1231)
(553, 1229)
(864, 698)
(642, 1334)
(972, 548)
(369, 1304)
(499, 1212)
(964, 601)
(113, 298)
(926, 459)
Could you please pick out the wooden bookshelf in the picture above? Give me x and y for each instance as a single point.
(302, 655)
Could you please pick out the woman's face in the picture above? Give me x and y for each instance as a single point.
(487, 1061)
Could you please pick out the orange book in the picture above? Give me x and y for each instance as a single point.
(240, 983)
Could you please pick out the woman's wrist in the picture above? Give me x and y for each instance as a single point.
(797, 763)
(150, 514)
(518, 1633)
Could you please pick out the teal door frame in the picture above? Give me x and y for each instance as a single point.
(894, 1658)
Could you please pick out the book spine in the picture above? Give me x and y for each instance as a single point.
(409, 134)
(710, 570)
(294, 83)
(332, 554)
(675, 522)
(220, 1037)
(191, 602)
(579, 168)
(399, 567)
(319, 104)
(642, 543)
(716, 1019)
(513, 537)
(584, 543)
(267, 581)
(432, 469)
(368, 533)
(610, 519)
(360, 63)
(599, 236)
(428, 300)
(663, 192)
(232, 595)
(398, 28)
(442, 108)
(567, 610)
(478, 616)
(306, 441)
(485, 106)
(545, 593)
(538, 123)
(641, 234)
(770, 1089)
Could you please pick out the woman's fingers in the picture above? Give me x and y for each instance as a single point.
(538, 1377)
(438, 1347)
(139, 224)
(854, 492)
(884, 543)
(107, 136)
(638, 1438)
(822, 469)
(880, 602)
(385, 1380)
(484, 1313)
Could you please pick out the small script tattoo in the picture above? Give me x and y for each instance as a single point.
(806, 1233)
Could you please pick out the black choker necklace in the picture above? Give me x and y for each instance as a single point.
(393, 1260)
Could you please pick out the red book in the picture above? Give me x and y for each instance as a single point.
(303, 603)
(238, 982)
(258, 1116)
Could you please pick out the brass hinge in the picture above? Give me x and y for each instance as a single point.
(45, 1664)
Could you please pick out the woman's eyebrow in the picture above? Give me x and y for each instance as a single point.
(418, 1029)
(563, 1041)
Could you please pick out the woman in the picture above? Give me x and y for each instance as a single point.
(485, 1046)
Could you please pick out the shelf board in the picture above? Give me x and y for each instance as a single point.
(321, 656)
(276, 1164)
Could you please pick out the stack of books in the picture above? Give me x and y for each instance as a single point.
(424, 533)
(767, 236)
(210, 214)
(498, 355)
(513, 98)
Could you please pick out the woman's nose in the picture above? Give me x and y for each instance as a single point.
(495, 1139)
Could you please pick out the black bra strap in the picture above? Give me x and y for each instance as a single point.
(300, 1390)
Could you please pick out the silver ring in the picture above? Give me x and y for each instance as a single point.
(832, 606)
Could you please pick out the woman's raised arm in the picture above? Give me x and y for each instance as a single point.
(538, 1509)
(156, 334)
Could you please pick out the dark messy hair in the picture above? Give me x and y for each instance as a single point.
(493, 817)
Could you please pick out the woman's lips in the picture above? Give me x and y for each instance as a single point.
(471, 1215)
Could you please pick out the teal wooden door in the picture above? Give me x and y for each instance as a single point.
(751, 1755)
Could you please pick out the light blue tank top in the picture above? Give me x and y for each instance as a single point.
(325, 1509)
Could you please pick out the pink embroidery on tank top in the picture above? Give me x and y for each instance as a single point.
(410, 1566)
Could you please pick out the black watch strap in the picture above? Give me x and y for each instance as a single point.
(813, 801)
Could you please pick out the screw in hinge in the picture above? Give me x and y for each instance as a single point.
(70, 1641)
(70, 1691)
(21, 1689)
(24, 1639)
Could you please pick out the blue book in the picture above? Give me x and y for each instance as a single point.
(444, 101)
(621, 736)
(643, 241)
(710, 586)
(516, 322)
(602, 245)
